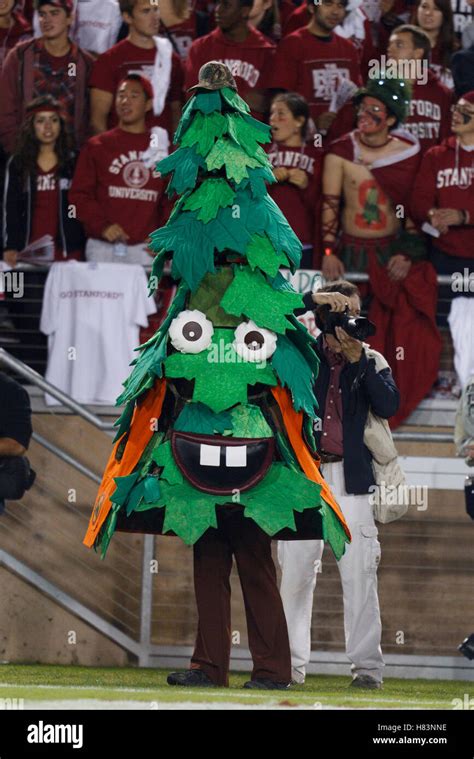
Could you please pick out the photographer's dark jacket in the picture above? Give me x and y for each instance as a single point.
(362, 387)
(15, 411)
(18, 209)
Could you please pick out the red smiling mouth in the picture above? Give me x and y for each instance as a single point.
(221, 465)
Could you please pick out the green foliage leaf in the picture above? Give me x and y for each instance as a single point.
(295, 373)
(203, 102)
(207, 102)
(221, 377)
(274, 224)
(261, 253)
(252, 296)
(232, 98)
(123, 422)
(234, 158)
(184, 163)
(189, 513)
(245, 134)
(201, 420)
(257, 179)
(163, 456)
(249, 422)
(124, 487)
(210, 196)
(193, 245)
(156, 271)
(333, 531)
(204, 131)
(269, 504)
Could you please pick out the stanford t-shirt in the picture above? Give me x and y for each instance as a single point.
(45, 217)
(98, 309)
(112, 185)
(298, 205)
(313, 66)
(125, 58)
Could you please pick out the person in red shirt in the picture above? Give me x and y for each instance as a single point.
(355, 27)
(181, 24)
(14, 28)
(143, 52)
(248, 54)
(443, 192)
(116, 190)
(429, 116)
(37, 180)
(313, 60)
(51, 64)
(443, 201)
(296, 165)
(367, 178)
(435, 17)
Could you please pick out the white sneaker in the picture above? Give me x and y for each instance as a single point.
(298, 676)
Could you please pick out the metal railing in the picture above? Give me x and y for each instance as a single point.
(17, 521)
(20, 368)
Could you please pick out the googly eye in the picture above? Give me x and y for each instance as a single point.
(254, 343)
(191, 332)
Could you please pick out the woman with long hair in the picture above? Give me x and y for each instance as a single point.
(296, 166)
(435, 17)
(38, 222)
(37, 179)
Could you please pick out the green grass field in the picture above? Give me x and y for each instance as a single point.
(41, 683)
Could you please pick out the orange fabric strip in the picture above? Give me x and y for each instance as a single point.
(294, 427)
(140, 435)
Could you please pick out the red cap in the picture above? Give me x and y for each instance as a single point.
(145, 83)
(469, 96)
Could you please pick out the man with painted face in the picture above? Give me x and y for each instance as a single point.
(370, 171)
(313, 60)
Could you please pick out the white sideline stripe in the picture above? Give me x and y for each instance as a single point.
(226, 694)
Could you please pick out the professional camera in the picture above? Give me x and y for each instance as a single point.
(356, 326)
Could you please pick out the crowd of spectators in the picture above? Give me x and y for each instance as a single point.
(92, 91)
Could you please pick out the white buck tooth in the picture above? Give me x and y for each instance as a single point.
(210, 455)
(236, 455)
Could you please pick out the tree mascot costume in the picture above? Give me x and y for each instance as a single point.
(215, 444)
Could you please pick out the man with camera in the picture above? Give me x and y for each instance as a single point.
(15, 434)
(353, 380)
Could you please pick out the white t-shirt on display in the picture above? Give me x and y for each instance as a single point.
(96, 24)
(92, 314)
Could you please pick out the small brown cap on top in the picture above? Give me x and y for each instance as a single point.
(214, 75)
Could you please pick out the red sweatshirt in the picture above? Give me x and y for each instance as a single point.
(430, 116)
(125, 58)
(446, 180)
(312, 66)
(112, 186)
(299, 206)
(20, 31)
(250, 61)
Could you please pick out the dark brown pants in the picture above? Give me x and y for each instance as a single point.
(266, 624)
